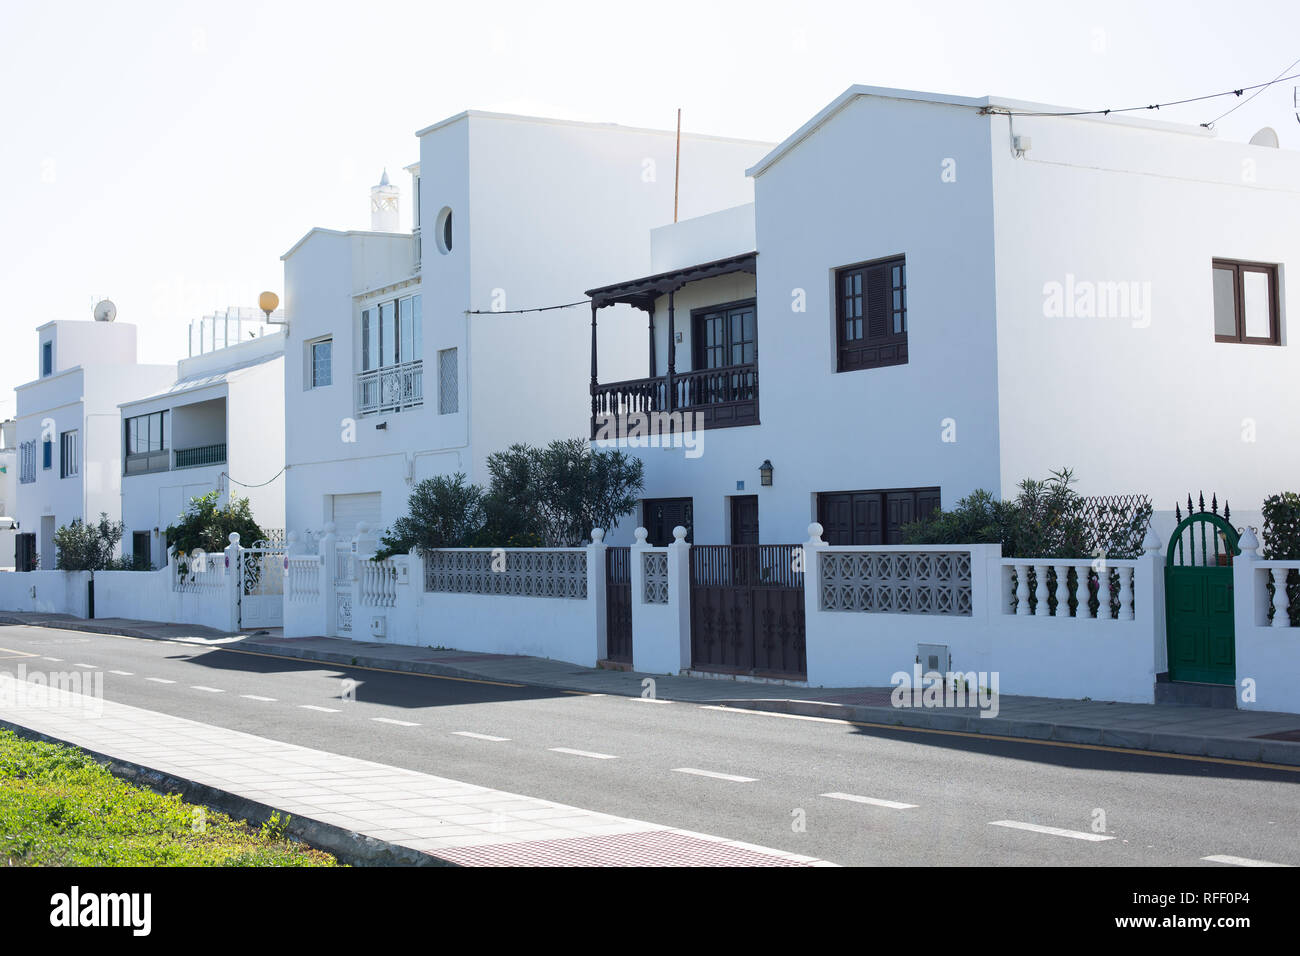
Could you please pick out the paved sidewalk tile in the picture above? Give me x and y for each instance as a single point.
(455, 821)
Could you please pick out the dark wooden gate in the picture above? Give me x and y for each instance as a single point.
(747, 611)
(1199, 626)
(618, 604)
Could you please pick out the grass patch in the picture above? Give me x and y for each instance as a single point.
(58, 807)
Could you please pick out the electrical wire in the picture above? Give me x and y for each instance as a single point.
(1210, 124)
(1153, 106)
(262, 485)
(544, 308)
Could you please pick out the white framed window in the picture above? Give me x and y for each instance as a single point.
(320, 361)
(26, 462)
(69, 455)
(448, 384)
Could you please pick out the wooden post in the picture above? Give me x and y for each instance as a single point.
(651, 312)
(672, 351)
(594, 308)
(677, 168)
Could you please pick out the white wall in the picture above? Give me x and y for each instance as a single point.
(1143, 403)
(47, 592)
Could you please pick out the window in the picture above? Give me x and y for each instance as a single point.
(26, 462)
(443, 231)
(448, 386)
(1245, 303)
(146, 433)
(660, 515)
(871, 315)
(391, 333)
(47, 454)
(321, 371)
(724, 335)
(141, 549)
(47, 359)
(69, 459)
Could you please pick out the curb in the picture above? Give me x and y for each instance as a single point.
(1226, 748)
(355, 849)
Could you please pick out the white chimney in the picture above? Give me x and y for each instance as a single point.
(383, 205)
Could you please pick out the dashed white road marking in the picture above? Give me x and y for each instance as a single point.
(399, 723)
(89, 667)
(873, 801)
(323, 710)
(651, 700)
(122, 673)
(207, 690)
(1238, 860)
(160, 680)
(474, 736)
(1051, 831)
(583, 753)
(714, 774)
(57, 660)
(269, 700)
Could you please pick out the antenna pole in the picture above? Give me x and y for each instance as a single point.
(677, 169)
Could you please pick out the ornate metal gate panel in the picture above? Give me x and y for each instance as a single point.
(261, 585)
(344, 569)
(747, 610)
(1199, 630)
(618, 604)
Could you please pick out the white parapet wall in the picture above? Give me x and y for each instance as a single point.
(46, 592)
(1268, 646)
(872, 612)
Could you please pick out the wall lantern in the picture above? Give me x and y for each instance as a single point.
(765, 472)
(267, 302)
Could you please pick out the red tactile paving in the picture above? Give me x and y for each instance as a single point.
(653, 848)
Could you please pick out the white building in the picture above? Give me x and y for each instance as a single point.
(218, 427)
(405, 355)
(930, 296)
(68, 430)
(8, 491)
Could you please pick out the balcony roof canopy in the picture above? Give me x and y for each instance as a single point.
(642, 293)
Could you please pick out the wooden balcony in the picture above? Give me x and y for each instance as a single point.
(721, 397)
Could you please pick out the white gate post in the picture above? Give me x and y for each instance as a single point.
(596, 593)
(813, 647)
(234, 581)
(679, 591)
(329, 567)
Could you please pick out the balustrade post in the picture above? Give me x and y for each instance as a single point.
(329, 571)
(1041, 597)
(1125, 593)
(1281, 600)
(1022, 590)
(1103, 591)
(1082, 593)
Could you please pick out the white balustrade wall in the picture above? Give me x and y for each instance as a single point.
(1268, 646)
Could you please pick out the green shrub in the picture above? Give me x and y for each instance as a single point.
(87, 547)
(442, 512)
(206, 527)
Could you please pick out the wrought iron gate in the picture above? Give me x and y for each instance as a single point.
(618, 604)
(1200, 632)
(344, 568)
(261, 585)
(747, 610)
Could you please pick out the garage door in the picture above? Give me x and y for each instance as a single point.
(350, 509)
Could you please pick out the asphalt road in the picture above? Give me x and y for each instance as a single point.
(906, 797)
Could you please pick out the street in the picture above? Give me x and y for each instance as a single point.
(849, 794)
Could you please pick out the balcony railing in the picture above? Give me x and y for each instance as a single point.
(390, 389)
(722, 397)
(147, 462)
(200, 456)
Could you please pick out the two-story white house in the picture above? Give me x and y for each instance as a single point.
(219, 426)
(933, 294)
(420, 354)
(69, 450)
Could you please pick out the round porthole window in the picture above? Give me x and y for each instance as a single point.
(443, 233)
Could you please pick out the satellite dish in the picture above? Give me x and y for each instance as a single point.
(105, 311)
(1265, 137)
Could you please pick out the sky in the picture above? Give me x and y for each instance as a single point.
(165, 155)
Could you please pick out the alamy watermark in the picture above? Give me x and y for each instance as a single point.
(80, 690)
(651, 430)
(949, 689)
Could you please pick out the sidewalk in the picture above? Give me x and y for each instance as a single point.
(1256, 736)
(365, 812)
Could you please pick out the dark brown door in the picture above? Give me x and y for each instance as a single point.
(872, 517)
(744, 519)
(660, 515)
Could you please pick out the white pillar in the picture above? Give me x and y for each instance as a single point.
(1125, 593)
(234, 580)
(596, 596)
(1281, 600)
(679, 594)
(1103, 591)
(1022, 589)
(1040, 591)
(329, 568)
(1082, 593)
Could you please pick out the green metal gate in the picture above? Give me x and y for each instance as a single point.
(1198, 598)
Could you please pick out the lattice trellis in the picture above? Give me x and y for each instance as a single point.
(1115, 525)
(897, 582)
(655, 575)
(521, 573)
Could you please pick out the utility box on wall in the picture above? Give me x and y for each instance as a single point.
(379, 627)
(933, 658)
